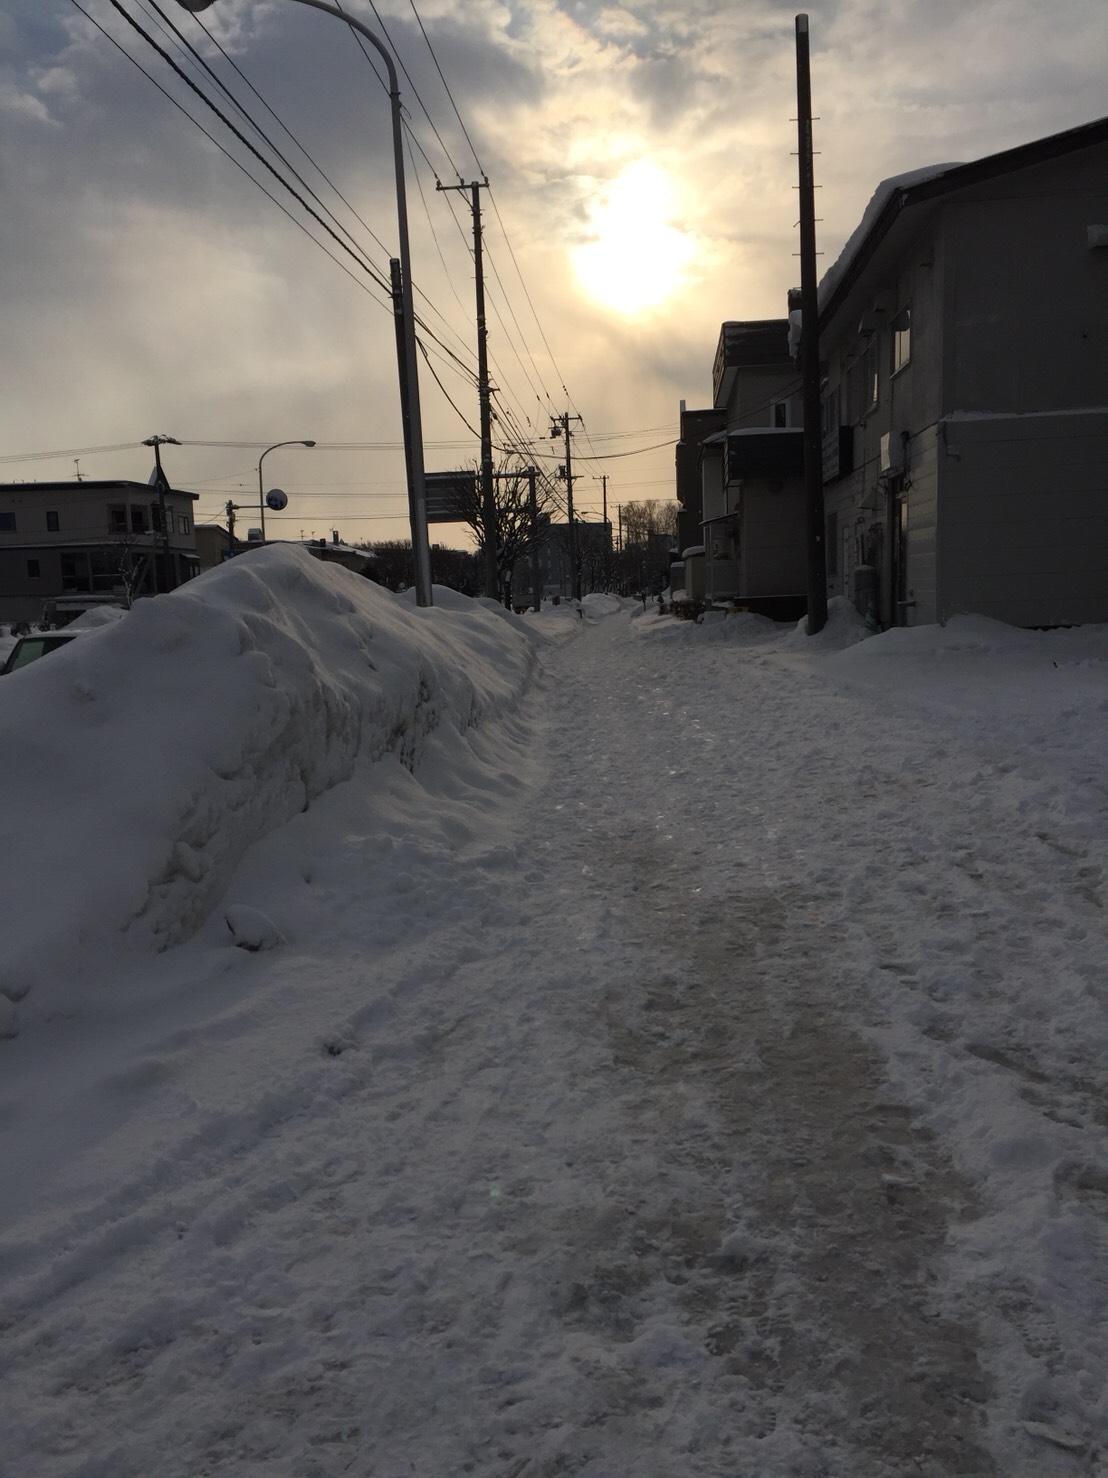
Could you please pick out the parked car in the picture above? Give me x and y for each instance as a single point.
(31, 648)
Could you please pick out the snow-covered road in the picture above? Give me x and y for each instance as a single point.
(703, 1075)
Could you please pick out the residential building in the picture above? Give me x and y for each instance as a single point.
(91, 541)
(964, 333)
(695, 426)
(751, 546)
(212, 544)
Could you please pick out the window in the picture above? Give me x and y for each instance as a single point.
(901, 341)
(34, 570)
(832, 546)
(138, 520)
(117, 518)
(75, 572)
(182, 524)
(104, 566)
(7, 523)
(52, 523)
(779, 412)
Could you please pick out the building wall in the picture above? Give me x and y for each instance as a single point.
(892, 432)
(1024, 530)
(720, 575)
(85, 553)
(922, 493)
(1009, 322)
(83, 516)
(757, 391)
(1027, 299)
(773, 527)
(22, 596)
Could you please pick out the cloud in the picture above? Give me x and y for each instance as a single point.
(152, 286)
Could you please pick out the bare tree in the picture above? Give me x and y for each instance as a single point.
(649, 529)
(132, 565)
(515, 534)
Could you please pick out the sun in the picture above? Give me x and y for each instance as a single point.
(636, 258)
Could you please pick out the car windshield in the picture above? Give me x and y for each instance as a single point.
(30, 648)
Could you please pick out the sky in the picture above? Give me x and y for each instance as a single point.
(461, 1056)
(641, 166)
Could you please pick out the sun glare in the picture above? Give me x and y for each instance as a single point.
(636, 258)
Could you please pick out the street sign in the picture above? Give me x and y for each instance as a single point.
(450, 496)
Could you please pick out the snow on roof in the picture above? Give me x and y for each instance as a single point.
(878, 201)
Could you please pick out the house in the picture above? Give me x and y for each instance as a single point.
(212, 544)
(964, 335)
(88, 542)
(695, 426)
(749, 548)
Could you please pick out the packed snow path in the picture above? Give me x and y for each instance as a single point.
(677, 1096)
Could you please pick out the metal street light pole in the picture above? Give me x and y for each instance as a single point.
(261, 459)
(409, 376)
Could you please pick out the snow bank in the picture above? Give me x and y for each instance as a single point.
(844, 628)
(139, 763)
(598, 605)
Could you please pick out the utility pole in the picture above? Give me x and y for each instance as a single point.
(809, 341)
(488, 498)
(157, 442)
(607, 533)
(230, 511)
(561, 425)
(533, 499)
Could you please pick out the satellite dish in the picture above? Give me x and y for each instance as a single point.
(276, 499)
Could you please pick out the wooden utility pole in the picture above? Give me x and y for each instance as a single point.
(561, 424)
(157, 442)
(809, 341)
(536, 574)
(488, 496)
(607, 532)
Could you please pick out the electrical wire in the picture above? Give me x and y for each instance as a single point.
(450, 95)
(356, 256)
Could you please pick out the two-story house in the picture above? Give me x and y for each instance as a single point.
(89, 541)
(964, 334)
(751, 549)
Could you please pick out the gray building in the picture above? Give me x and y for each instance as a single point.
(68, 544)
(748, 549)
(964, 334)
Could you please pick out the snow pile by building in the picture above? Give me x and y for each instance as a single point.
(140, 762)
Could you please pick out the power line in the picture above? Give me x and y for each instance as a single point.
(481, 168)
(365, 265)
(411, 84)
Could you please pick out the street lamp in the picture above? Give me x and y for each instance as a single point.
(405, 310)
(261, 459)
